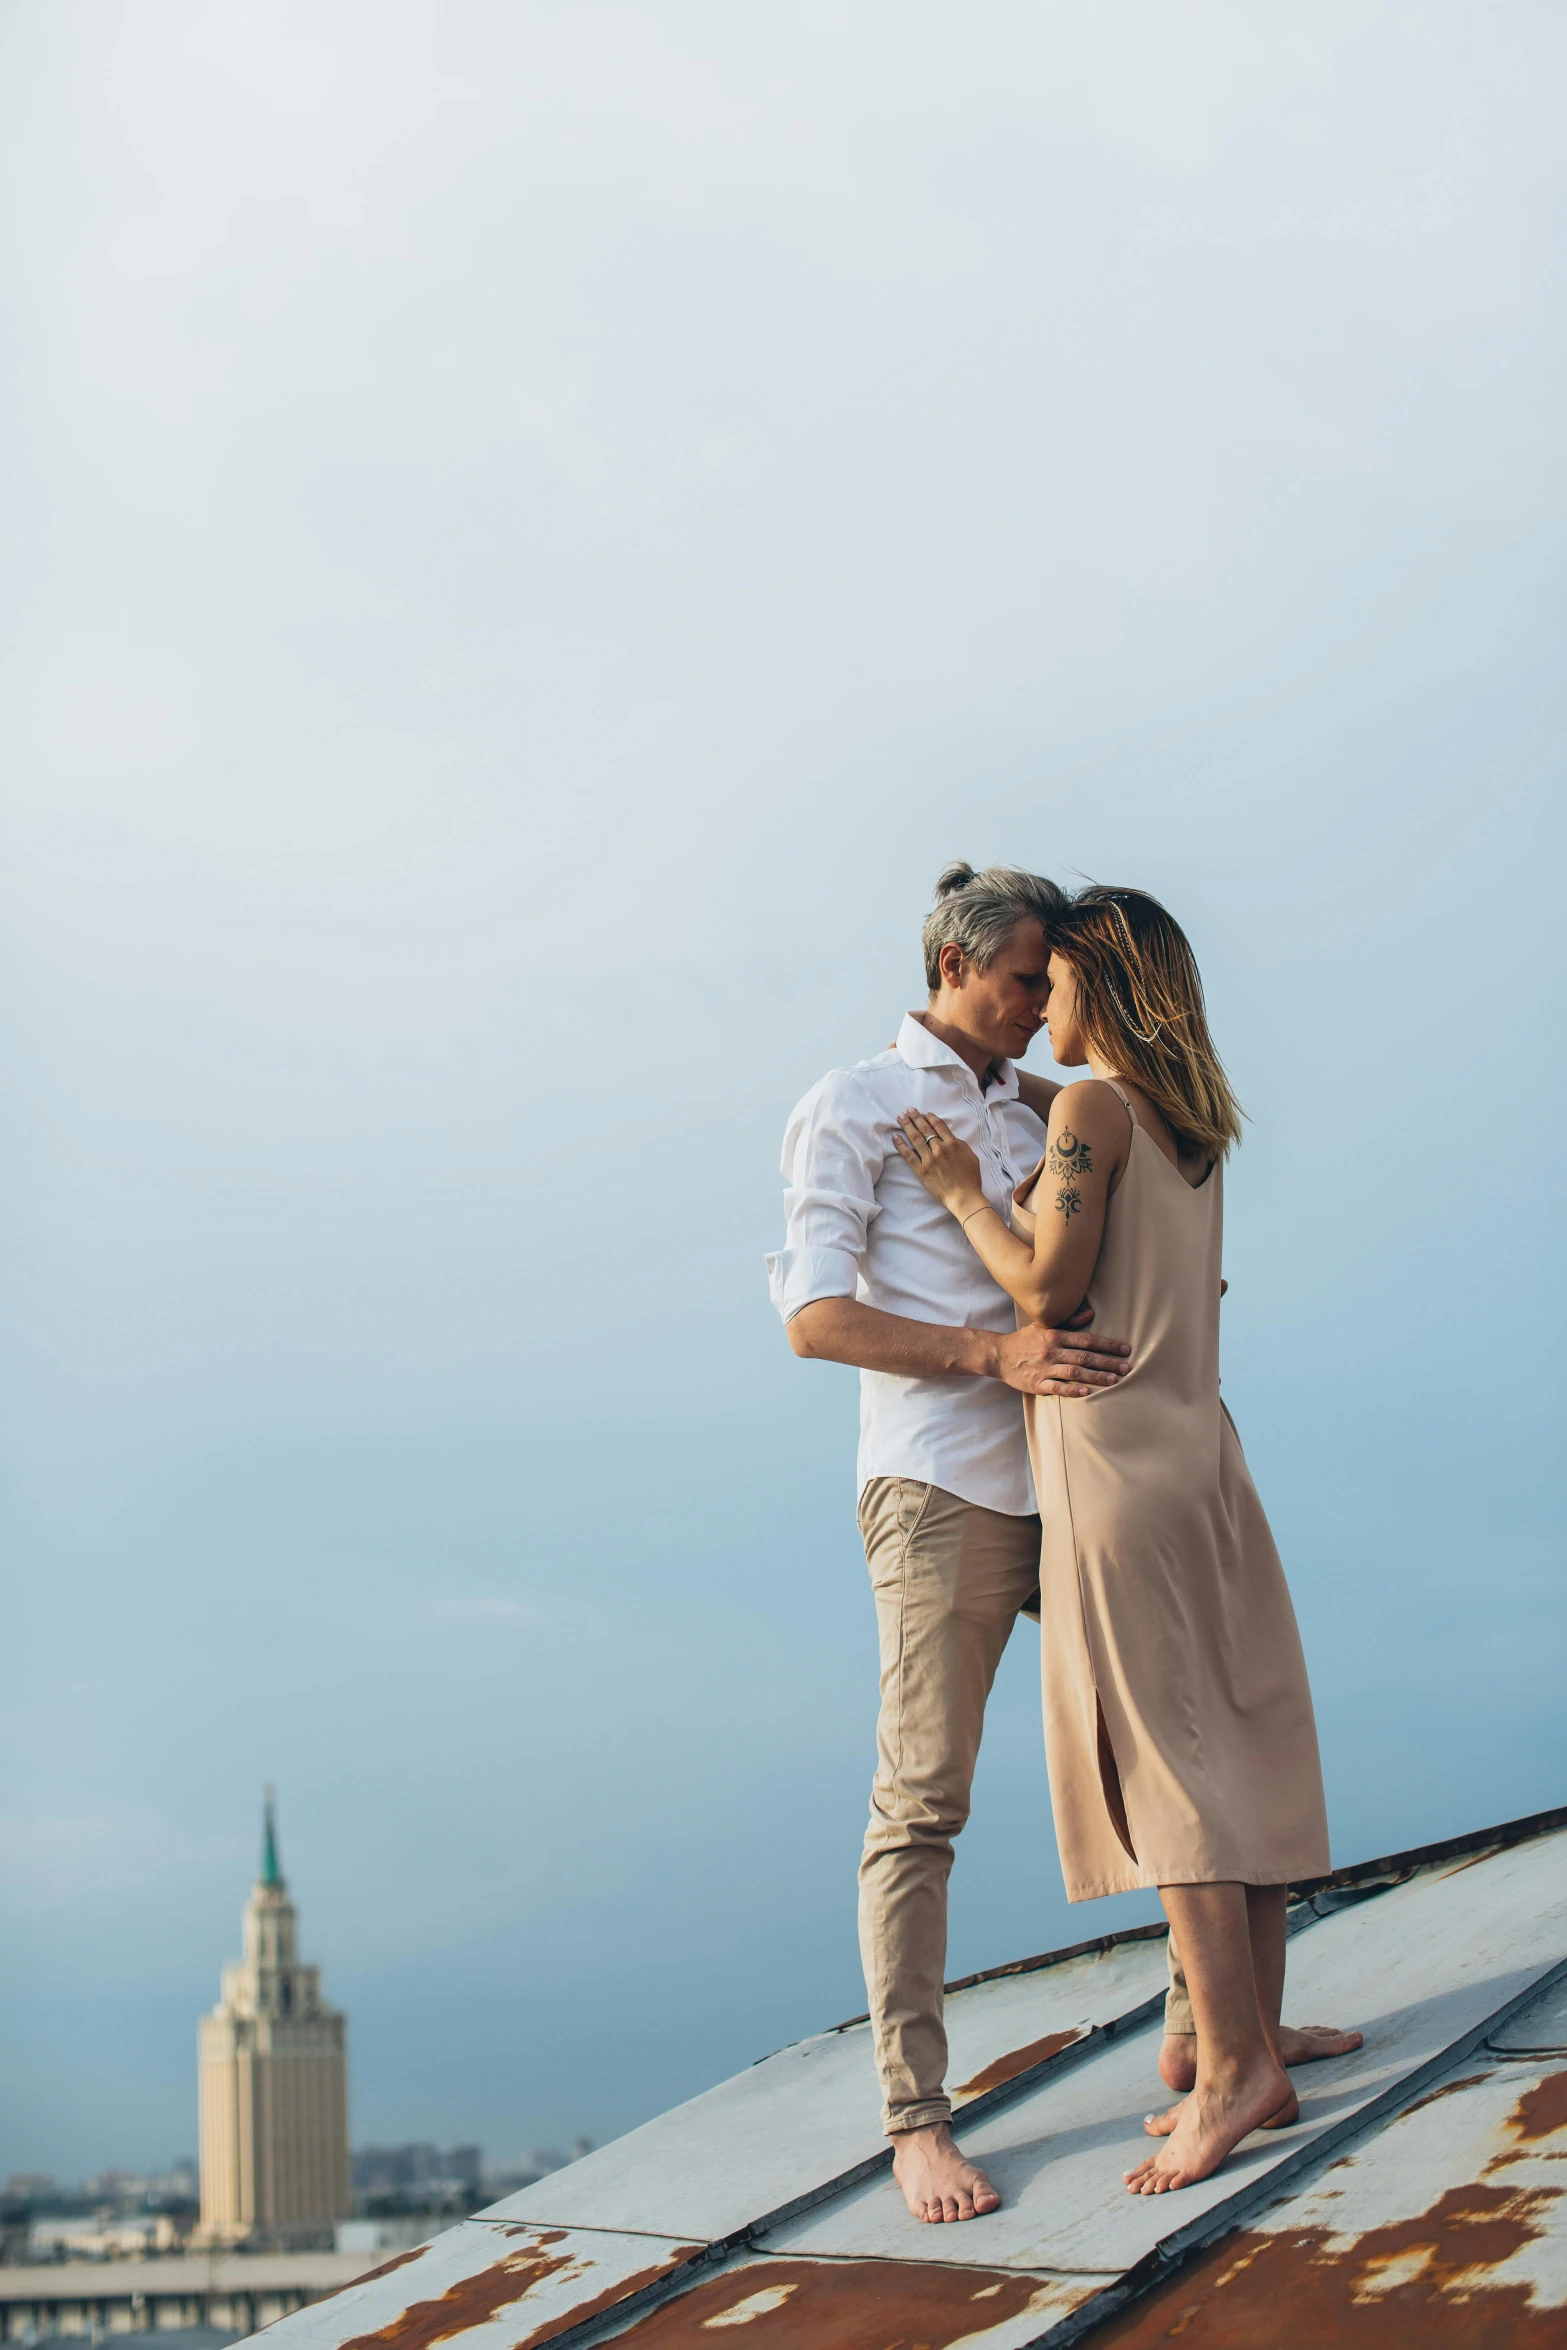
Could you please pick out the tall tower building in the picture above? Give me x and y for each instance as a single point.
(274, 2085)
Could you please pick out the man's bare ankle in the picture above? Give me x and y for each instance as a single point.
(1178, 2060)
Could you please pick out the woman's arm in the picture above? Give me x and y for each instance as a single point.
(1087, 1148)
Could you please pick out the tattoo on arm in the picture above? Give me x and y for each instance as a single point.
(1069, 1155)
(1069, 1158)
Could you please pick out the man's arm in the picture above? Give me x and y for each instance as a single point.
(833, 1153)
(1035, 1361)
(1037, 1093)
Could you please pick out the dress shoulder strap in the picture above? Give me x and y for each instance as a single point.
(1121, 1098)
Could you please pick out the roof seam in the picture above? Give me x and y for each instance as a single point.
(578, 2227)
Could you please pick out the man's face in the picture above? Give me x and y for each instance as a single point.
(1003, 1006)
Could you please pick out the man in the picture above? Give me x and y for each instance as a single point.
(874, 1272)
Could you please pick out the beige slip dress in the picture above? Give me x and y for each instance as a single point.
(1178, 1725)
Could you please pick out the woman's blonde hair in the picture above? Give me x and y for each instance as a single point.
(1140, 1001)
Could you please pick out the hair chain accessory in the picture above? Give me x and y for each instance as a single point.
(1131, 1024)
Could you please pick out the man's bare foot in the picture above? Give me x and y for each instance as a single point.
(937, 2182)
(1210, 2123)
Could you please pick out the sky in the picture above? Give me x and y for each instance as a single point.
(534, 533)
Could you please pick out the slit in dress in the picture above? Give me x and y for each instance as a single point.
(1110, 1781)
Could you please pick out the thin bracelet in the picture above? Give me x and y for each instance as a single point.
(965, 1221)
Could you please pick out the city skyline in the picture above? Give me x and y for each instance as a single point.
(271, 1987)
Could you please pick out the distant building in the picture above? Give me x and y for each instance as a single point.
(79, 2237)
(16, 2220)
(399, 2234)
(274, 2086)
(415, 2176)
(529, 2168)
(211, 2298)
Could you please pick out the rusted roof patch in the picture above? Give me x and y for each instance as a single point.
(613, 2297)
(1541, 2111)
(1422, 2281)
(1018, 2061)
(471, 2299)
(1446, 2089)
(841, 2305)
(1448, 2277)
(369, 2275)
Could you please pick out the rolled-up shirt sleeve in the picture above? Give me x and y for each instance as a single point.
(833, 1152)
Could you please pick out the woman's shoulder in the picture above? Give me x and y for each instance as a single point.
(1089, 1129)
(1091, 1103)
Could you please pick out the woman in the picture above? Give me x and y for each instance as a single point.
(1178, 1718)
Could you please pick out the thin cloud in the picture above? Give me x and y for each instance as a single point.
(479, 1612)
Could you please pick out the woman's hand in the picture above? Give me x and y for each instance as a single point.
(946, 1166)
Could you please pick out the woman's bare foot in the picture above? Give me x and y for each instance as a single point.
(1163, 2125)
(1310, 2043)
(937, 2182)
(1209, 2125)
(1298, 2044)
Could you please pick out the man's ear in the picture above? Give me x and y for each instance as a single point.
(952, 962)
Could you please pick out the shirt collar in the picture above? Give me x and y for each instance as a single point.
(921, 1050)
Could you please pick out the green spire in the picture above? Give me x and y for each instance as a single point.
(271, 1874)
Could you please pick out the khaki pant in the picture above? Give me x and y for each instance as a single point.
(951, 1579)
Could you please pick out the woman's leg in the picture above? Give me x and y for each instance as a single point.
(1232, 1943)
(1265, 1905)
(1265, 1928)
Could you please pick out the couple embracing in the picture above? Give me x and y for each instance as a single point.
(1028, 1276)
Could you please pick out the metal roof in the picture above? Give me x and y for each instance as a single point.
(1417, 2199)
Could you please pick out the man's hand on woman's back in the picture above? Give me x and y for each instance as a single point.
(1072, 1361)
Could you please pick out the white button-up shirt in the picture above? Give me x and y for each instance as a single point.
(859, 1223)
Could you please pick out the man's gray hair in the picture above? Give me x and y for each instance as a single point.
(979, 912)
